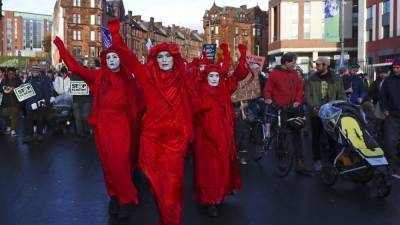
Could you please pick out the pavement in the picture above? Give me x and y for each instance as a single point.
(59, 182)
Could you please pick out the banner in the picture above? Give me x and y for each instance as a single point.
(252, 90)
(331, 19)
(210, 50)
(79, 88)
(24, 92)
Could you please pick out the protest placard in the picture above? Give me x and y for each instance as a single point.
(210, 50)
(78, 88)
(252, 90)
(24, 92)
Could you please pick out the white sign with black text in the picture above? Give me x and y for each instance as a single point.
(79, 88)
(24, 92)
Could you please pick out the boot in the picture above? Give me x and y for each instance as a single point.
(301, 167)
(212, 211)
(113, 206)
(124, 211)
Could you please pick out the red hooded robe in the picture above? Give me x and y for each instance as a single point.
(167, 126)
(216, 173)
(115, 109)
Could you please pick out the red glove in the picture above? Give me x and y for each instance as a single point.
(224, 47)
(114, 25)
(61, 47)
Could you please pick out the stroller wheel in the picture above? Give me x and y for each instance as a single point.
(329, 175)
(381, 187)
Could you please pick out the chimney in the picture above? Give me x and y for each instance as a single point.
(129, 13)
(151, 20)
(244, 7)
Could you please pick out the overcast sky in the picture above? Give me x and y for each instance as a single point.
(180, 12)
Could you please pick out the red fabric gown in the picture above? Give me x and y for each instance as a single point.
(167, 126)
(115, 109)
(216, 172)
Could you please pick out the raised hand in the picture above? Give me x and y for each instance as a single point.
(61, 47)
(114, 25)
(224, 47)
(242, 50)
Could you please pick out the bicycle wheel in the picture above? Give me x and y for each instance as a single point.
(284, 152)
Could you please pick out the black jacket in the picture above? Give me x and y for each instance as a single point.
(389, 96)
(9, 99)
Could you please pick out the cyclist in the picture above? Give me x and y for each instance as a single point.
(285, 89)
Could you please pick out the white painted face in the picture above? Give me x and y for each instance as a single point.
(113, 61)
(213, 79)
(165, 60)
(202, 67)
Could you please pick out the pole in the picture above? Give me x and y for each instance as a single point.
(342, 29)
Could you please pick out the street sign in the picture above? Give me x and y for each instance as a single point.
(337, 57)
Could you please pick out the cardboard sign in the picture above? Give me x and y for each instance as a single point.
(79, 88)
(252, 90)
(24, 92)
(210, 50)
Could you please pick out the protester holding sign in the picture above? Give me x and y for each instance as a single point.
(115, 108)
(82, 105)
(37, 106)
(216, 173)
(167, 123)
(10, 102)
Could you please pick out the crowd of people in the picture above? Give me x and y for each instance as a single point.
(149, 116)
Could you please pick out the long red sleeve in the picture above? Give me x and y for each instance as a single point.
(87, 75)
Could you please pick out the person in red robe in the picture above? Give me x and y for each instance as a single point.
(115, 108)
(167, 122)
(216, 172)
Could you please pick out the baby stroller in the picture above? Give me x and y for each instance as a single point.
(359, 158)
(61, 113)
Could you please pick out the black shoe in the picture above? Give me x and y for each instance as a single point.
(212, 210)
(27, 139)
(113, 206)
(124, 211)
(40, 137)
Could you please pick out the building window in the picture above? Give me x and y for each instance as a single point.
(295, 20)
(385, 31)
(92, 51)
(307, 17)
(77, 3)
(9, 33)
(386, 7)
(92, 19)
(98, 20)
(76, 35)
(92, 4)
(217, 42)
(77, 51)
(92, 35)
(369, 12)
(216, 30)
(245, 32)
(214, 16)
(369, 35)
(76, 18)
(236, 30)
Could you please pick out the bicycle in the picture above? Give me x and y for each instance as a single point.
(277, 138)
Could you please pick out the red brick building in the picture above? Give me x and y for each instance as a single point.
(236, 26)
(382, 31)
(23, 33)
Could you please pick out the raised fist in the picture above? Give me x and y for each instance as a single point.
(61, 47)
(224, 47)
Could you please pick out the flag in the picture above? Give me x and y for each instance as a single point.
(331, 20)
(106, 37)
(149, 44)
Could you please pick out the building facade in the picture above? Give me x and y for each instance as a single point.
(298, 26)
(77, 23)
(235, 26)
(380, 35)
(23, 33)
